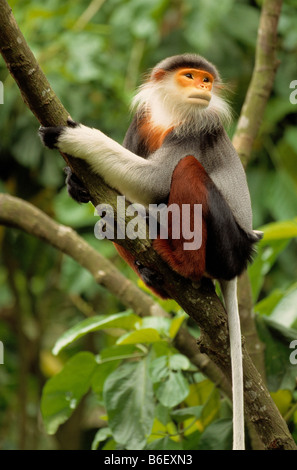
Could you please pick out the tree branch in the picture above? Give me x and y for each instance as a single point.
(200, 302)
(261, 84)
(248, 126)
(15, 212)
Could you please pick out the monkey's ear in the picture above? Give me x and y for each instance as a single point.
(158, 75)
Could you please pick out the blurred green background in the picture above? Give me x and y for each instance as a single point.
(95, 54)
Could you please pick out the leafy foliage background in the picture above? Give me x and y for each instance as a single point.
(147, 393)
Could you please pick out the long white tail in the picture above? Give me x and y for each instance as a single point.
(229, 289)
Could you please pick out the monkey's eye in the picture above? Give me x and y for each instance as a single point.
(189, 75)
(206, 79)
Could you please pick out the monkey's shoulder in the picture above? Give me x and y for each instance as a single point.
(133, 140)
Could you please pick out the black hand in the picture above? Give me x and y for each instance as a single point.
(75, 187)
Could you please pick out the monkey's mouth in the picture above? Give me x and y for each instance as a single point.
(201, 96)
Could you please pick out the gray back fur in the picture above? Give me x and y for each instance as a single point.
(218, 157)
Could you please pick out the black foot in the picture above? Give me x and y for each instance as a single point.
(75, 187)
(152, 279)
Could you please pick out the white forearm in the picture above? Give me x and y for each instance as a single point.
(121, 169)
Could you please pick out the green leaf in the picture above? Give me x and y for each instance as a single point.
(185, 413)
(283, 400)
(267, 305)
(179, 362)
(63, 392)
(285, 311)
(116, 352)
(161, 324)
(158, 369)
(217, 436)
(176, 323)
(108, 360)
(100, 375)
(101, 435)
(143, 335)
(265, 259)
(280, 306)
(280, 230)
(124, 320)
(280, 373)
(129, 401)
(165, 443)
(174, 390)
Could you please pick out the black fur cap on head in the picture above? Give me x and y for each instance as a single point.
(193, 61)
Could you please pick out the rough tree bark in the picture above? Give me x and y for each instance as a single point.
(199, 301)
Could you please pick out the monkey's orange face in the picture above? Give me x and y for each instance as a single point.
(195, 85)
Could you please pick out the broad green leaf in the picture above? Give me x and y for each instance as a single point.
(101, 435)
(185, 413)
(280, 373)
(117, 351)
(162, 413)
(159, 429)
(165, 443)
(280, 230)
(108, 360)
(158, 369)
(179, 362)
(143, 335)
(161, 324)
(199, 393)
(174, 390)
(191, 441)
(285, 312)
(267, 305)
(283, 332)
(129, 401)
(217, 436)
(283, 400)
(124, 320)
(100, 375)
(63, 392)
(211, 407)
(265, 259)
(176, 323)
(280, 195)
